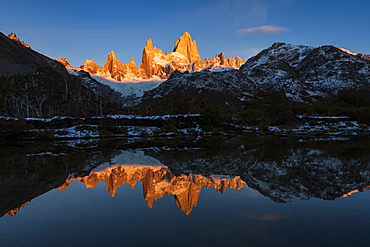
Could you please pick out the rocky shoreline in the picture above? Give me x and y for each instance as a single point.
(127, 126)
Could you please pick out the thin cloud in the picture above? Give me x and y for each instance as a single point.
(241, 11)
(264, 30)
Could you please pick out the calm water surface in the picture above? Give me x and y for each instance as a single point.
(237, 191)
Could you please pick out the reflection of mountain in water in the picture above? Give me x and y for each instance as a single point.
(283, 170)
(308, 173)
(26, 173)
(158, 181)
(284, 175)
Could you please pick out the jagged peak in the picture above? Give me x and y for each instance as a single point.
(111, 59)
(186, 35)
(63, 61)
(90, 61)
(13, 36)
(183, 38)
(155, 63)
(112, 55)
(149, 44)
(187, 47)
(132, 61)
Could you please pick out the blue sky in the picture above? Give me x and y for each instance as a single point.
(80, 30)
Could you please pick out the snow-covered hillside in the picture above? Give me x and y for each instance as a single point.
(305, 72)
(131, 90)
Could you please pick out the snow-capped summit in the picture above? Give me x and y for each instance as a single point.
(304, 72)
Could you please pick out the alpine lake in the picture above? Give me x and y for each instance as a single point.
(242, 190)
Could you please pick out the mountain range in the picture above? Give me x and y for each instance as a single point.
(271, 88)
(302, 73)
(157, 65)
(283, 74)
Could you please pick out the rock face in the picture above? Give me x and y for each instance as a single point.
(153, 61)
(157, 65)
(92, 67)
(114, 66)
(187, 47)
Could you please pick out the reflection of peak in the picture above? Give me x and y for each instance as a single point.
(158, 181)
(15, 211)
(355, 191)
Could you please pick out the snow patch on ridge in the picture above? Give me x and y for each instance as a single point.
(129, 88)
(348, 51)
(130, 157)
(134, 87)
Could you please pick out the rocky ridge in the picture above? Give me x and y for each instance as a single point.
(18, 59)
(63, 61)
(34, 85)
(13, 36)
(305, 72)
(158, 65)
